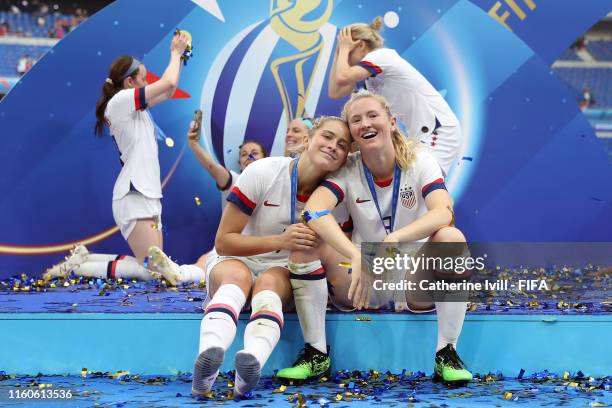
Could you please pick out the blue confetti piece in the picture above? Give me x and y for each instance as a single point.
(521, 374)
(467, 158)
(351, 385)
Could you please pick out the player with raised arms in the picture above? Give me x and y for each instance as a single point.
(259, 226)
(420, 108)
(386, 166)
(123, 109)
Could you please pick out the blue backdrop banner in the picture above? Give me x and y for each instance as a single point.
(531, 169)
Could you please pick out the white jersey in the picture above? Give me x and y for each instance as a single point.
(132, 129)
(413, 99)
(263, 191)
(350, 185)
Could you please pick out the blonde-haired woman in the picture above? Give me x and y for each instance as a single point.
(387, 165)
(421, 110)
(259, 226)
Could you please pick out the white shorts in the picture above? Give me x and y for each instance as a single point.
(134, 206)
(445, 144)
(255, 266)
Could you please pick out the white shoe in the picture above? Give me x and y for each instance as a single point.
(78, 256)
(159, 262)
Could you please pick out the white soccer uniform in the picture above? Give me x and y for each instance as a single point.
(417, 104)
(263, 191)
(350, 185)
(137, 191)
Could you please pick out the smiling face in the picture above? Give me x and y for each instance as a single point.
(249, 152)
(369, 123)
(297, 134)
(329, 145)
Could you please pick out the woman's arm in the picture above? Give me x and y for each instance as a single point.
(344, 77)
(164, 88)
(334, 89)
(218, 172)
(231, 241)
(327, 228)
(440, 215)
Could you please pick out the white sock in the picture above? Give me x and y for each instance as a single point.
(218, 327)
(124, 267)
(93, 257)
(217, 332)
(191, 273)
(450, 322)
(310, 295)
(260, 337)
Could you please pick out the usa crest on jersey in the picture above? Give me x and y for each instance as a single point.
(408, 197)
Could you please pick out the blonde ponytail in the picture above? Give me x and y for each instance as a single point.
(368, 33)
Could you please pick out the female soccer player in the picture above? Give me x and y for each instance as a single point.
(360, 55)
(387, 166)
(250, 150)
(296, 136)
(122, 109)
(259, 227)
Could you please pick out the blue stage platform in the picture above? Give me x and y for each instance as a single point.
(165, 344)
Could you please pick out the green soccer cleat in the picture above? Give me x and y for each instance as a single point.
(449, 367)
(311, 364)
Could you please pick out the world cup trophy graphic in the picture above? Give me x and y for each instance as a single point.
(267, 74)
(298, 23)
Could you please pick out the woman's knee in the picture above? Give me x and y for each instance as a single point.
(276, 280)
(448, 234)
(304, 256)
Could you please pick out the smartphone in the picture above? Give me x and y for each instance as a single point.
(196, 123)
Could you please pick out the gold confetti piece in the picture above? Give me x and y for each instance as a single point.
(75, 304)
(507, 395)
(392, 251)
(280, 389)
(120, 374)
(566, 375)
(169, 142)
(84, 372)
(363, 319)
(345, 264)
(197, 200)
(52, 285)
(338, 397)
(66, 284)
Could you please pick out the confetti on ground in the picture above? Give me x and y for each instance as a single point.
(365, 388)
(572, 291)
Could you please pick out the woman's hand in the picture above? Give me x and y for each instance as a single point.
(298, 237)
(179, 43)
(193, 134)
(359, 291)
(345, 40)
